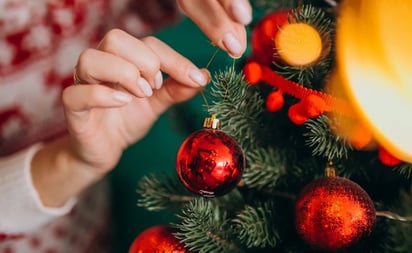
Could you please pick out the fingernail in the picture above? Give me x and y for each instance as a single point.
(241, 12)
(208, 75)
(145, 86)
(232, 45)
(197, 76)
(158, 80)
(122, 97)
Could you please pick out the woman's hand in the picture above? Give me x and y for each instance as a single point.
(223, 21)
(122, 94)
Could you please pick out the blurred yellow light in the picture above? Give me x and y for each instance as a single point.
(298, 44)
(374, 62)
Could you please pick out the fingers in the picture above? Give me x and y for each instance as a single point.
(238, 10)
(177, 66)
(124, 62)
(98, 67)
(127, 47)
(173, 92)
(222, 21)
(93, 96)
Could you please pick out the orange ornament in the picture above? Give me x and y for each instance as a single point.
(158, 238)
(298, 44)
(333, 213)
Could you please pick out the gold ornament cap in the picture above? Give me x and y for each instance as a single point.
(330, 171)
(212, 122)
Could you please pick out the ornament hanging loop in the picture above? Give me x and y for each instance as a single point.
(212, 122)
(330, 170)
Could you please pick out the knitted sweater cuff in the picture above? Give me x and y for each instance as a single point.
(21, 209)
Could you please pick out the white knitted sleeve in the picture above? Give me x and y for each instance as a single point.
(21, 209)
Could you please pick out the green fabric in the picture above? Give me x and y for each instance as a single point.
(156, 152)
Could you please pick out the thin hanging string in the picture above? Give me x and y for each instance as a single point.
(212, 58)
(393, 216)
(207, 66)
(233, 64)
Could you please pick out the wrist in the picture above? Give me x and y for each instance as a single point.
(59, 175)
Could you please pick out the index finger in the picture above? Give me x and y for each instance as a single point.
(175, 65)
(215, 21)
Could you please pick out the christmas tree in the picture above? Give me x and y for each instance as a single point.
(274, 170)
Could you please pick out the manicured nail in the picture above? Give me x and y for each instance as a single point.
(145, 86)
(241, 12)
(122, 97)
(232, 45)
(197, 76)
(158, 80)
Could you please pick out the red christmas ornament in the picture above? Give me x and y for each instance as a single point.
(210, 162)
(158, 238)
(333, 213)
(263, 36)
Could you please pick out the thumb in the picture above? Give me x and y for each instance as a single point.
(173, 92)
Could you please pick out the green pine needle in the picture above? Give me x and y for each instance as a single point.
(204, 228)
(255, 228)
(323, 141)
(401, 231)
(404, 169)
(265, 166)
(159, 192)
(238, 106)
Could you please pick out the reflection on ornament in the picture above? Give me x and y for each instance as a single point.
(209, 162)
(158, 238)
(373, 54)
(333, 213)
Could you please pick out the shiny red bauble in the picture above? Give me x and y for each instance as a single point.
(333, 213)
(209, 162)
(158, 238)
(263, 36)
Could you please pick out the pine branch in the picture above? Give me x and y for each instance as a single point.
(159, 192)
(254, 226)
(404, 169)
(401, 231)
(238, 105)
(265, 167)
(323, 141)
(204, 228)
(380, 241)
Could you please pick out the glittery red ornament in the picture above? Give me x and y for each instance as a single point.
(158, 238)
(333, 213)
(209, 162)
